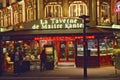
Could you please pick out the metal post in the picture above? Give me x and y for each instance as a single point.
(86, 20)
(85, 45)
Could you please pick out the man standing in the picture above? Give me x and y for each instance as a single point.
(43, 60)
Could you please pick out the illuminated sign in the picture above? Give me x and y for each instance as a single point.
(117, 7)
(57, 38)
(116, 26)
(55, 23)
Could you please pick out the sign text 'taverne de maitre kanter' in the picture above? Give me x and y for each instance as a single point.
(55, 23)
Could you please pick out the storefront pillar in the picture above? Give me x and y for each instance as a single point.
(40, 9)
(65, 8)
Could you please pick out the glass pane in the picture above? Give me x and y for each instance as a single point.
(53, 9)
(118, 43)
(62, 50)
(71, 50)
(77, 8)
(110, 46)
(105, 19)
(80, 47)
(93, 47)
(103, 47)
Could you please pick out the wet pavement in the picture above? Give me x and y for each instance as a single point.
(67, 73)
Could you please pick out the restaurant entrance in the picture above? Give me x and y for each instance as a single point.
(66, 51)
(64, 48)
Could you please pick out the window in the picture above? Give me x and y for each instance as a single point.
(5, 18)
(105, 13)
(71, 49)
(77, 8)
(93, 47)
(1, 19)
(30, 14)
(106, 46)
(17, 11)
(118, 12)
(103, 48)
(53, 9)
(118, 21)
(20, 13)
(80, 47)
(16, 17)
(30, 7)
(1, 6)
(62, 50)
(110, 46)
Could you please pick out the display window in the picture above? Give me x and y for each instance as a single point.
(106, 46)
(110, 46)
(103, 48)
(105, 13)
(93, 47)
(80, 50)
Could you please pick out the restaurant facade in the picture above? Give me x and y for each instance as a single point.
(57, 24)
(66, 40)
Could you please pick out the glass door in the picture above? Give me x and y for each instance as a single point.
(67, 51)
(63, 51)
(71, 50)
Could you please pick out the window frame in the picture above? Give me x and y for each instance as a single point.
(77, 12)
(50, 12)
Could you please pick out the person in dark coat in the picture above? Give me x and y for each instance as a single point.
(43, 60)
(17, 59)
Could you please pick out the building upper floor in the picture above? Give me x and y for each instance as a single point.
(13, 13)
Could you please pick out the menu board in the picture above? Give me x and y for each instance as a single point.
(49, 50)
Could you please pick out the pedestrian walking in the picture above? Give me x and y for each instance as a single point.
(43, 60)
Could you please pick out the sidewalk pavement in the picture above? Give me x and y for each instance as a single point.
(67, 73)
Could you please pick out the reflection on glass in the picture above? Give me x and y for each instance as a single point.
(105, 13)
(77, 8)
(80, 47)
(93, 46)
(53, 9)
(71, 50)
(110, 46)
(103, 46)
(63, 50)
